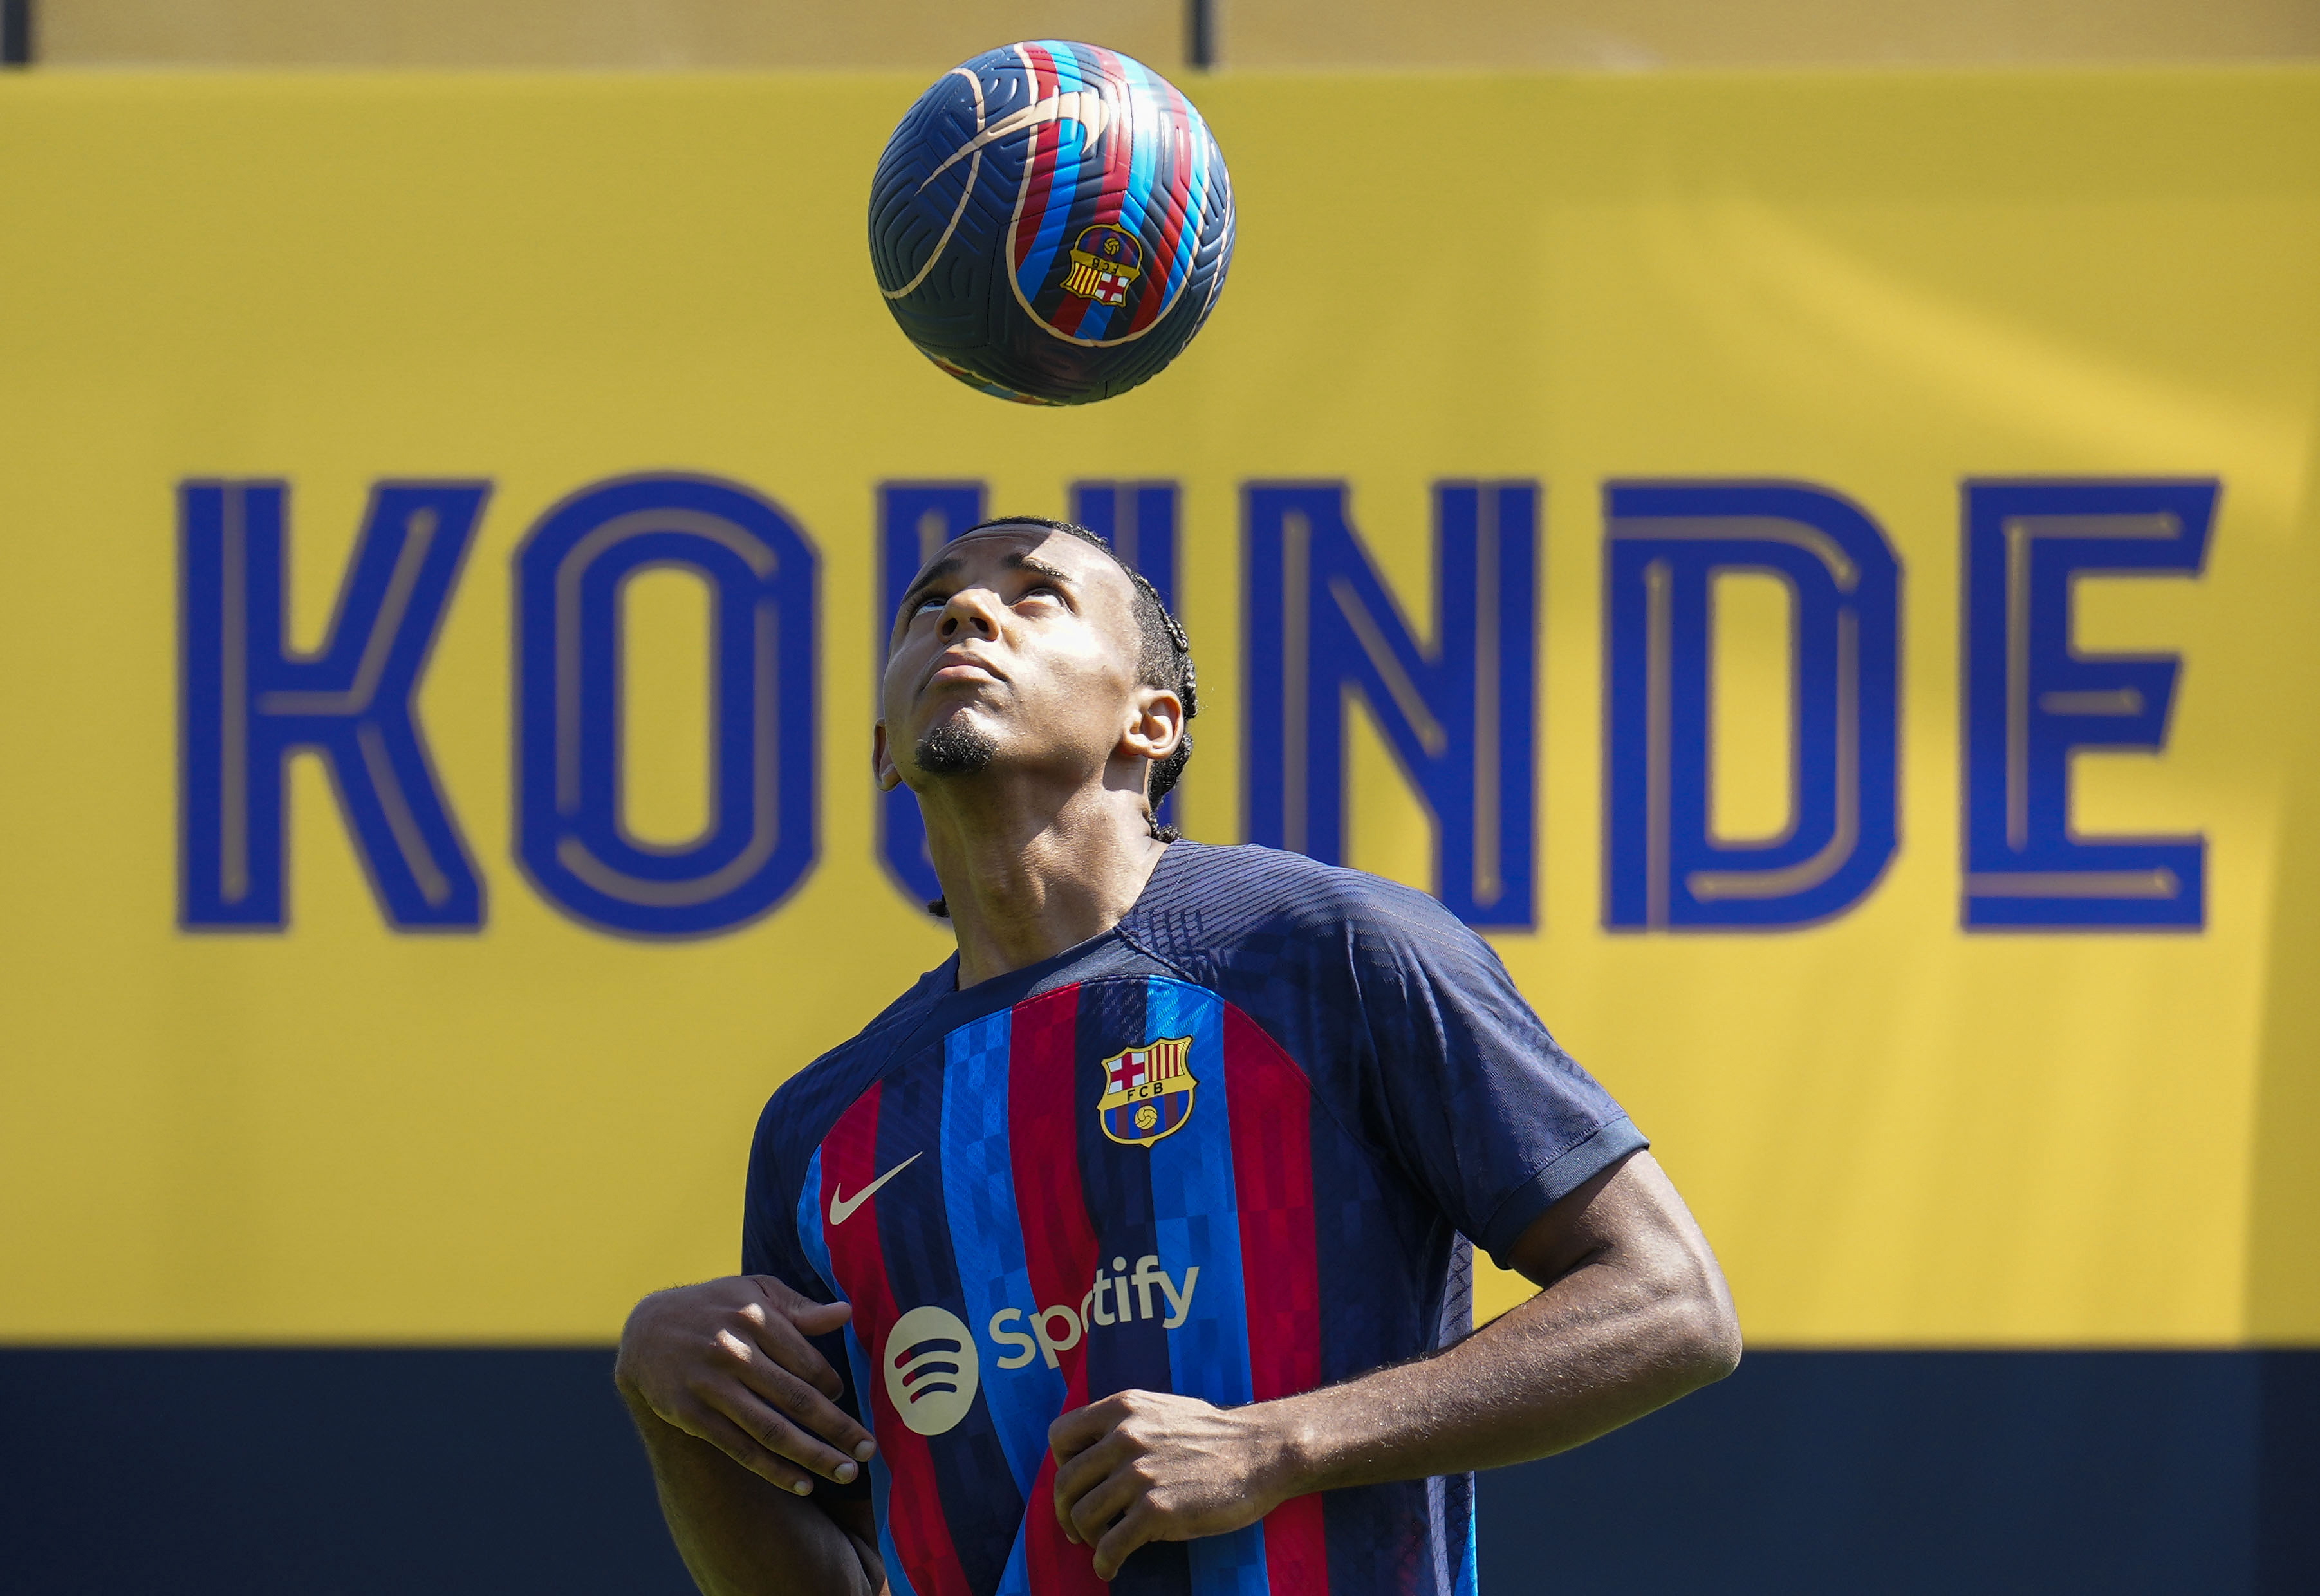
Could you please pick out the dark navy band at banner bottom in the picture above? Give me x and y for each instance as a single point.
(456, 1472)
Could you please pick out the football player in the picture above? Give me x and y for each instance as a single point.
(1134, 1241)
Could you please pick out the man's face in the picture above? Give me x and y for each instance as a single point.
(1015, 647)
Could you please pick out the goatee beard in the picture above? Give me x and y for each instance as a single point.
(955, 748)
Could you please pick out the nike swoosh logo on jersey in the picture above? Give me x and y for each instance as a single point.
(842, 1207)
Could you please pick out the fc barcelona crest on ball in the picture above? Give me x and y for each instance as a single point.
(1104, 263)
(1147, 1092)
(1051, 223)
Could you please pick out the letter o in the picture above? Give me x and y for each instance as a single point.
(763, 575)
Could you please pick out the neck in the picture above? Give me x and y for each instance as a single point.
(1028, 868)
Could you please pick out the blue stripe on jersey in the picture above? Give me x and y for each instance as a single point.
(982, 1505)
(1131, 1353)
(1017, 1579)
(1198, 1213)
(986, 1237)
(1464, 1583)
(882, 1482)
(808, 1228)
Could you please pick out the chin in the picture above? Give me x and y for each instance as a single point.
(960, 743)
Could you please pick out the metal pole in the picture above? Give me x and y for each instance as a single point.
(1200, 33)
(15, 33)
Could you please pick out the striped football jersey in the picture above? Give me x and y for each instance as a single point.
(1237, 1148)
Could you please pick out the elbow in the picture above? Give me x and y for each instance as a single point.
(1716, 1344)
(1708, 1339)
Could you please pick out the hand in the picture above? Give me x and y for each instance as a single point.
(728, 1361)
(1142, 1465)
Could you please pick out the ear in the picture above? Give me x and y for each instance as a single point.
(882, 769)
(1156, 724)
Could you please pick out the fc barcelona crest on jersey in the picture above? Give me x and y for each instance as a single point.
(1147, 1092)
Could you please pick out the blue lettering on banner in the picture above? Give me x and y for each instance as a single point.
(1459, 713)
(2033, 699)
(1666, 543)
(248, 702)
(1457, 704)
(1138, 519)
(761, 834)
(914, 520)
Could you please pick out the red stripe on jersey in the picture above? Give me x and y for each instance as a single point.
(1272, 1179)
(914, 1509)
(1059, 1242)
(1047, 139)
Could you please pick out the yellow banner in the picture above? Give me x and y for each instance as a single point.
(1820, 568)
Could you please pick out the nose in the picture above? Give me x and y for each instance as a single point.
(971, 609)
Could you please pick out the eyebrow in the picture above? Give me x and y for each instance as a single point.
(950, 564)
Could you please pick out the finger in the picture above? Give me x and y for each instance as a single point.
(1082, 1474)
(768, 1342)
(736, 1444)
(1134, 1529)
(1082, 1428)
(1102, 1504)
(815, 1319)
(780, 1324)
(1075, 1480)
(806, 1407)
(778, 1434)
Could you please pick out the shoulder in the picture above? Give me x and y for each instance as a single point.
(1222, 893)
(1268, 882)
(802, 1109)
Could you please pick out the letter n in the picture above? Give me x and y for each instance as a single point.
(1138, 520)
(1667, 544)
(571, 835)
(2033, 699)
(1458, 713)
(250, 702)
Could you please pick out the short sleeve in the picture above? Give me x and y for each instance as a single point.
(769, 1245)
(769, 1238)
(1481, 1108)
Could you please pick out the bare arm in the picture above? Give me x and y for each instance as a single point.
(1633, 1314)
(734, 1405)
(740, 1535)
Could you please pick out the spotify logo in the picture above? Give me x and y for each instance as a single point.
(932, 1372)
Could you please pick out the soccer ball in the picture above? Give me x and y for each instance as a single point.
(1051, 223)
